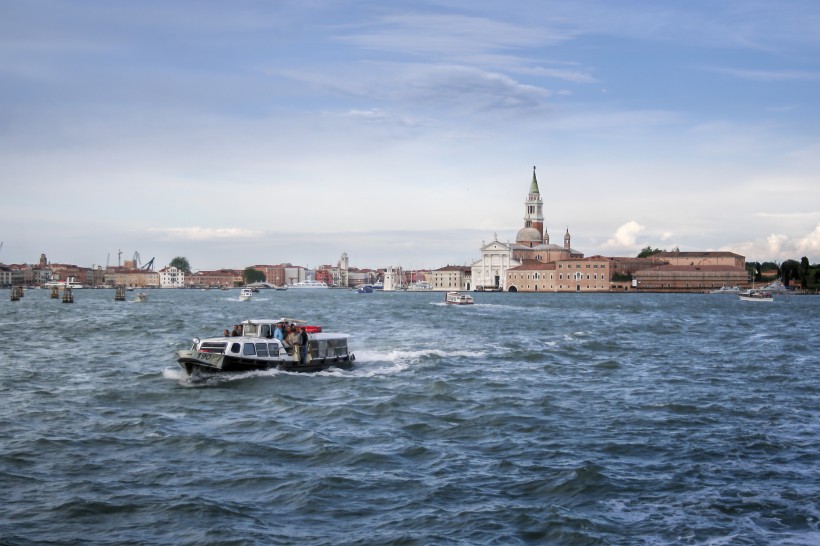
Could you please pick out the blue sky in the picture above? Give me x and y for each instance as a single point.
(404, 133)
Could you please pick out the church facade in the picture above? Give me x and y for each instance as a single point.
(532, 246)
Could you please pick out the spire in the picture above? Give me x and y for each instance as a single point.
(567, 239)
(534, 184)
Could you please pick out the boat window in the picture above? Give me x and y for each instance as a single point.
(266, 331)
(273, 348)
(262, 349)
(249, 329)
(249, 349)
(234, 347)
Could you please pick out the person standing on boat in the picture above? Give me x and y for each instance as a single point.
(293, 340)
(277, 332)
(303, 345)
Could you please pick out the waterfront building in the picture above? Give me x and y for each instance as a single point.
(132, 278)
(171, 277)
(343, 267)
(728, 259)
(221, 278)
(489, 272)
(689, 278)
(532, 243)
(566, 275)
(451, 277)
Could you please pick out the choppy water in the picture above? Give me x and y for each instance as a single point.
(524, 419)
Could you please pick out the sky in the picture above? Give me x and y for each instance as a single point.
(404, 133)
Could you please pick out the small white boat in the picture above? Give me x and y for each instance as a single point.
(141, 297)
(756, 295)
(457, 298)
(246, 294)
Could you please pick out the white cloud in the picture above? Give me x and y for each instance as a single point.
(625, 236)
(204, 234)
(779, 247)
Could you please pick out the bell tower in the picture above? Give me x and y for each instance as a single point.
(534, 216)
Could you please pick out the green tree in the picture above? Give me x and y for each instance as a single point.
(648, 251)
(804, 272)
(181, 263)
(252, 275)
(789, 271)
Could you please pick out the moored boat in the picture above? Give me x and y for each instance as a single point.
(457, 298)
(257, 349)
(726, 290)
(309, 284)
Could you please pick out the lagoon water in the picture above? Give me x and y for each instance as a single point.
(631, 419)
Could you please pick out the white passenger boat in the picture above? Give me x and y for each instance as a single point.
(420, 286)
(70, 283)
(756, 295)
(726, 290)
(141, 297)
(457, 298)
(257, 349)
(309, 284)
(246, 294)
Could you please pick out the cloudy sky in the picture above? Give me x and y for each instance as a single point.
(404, 133)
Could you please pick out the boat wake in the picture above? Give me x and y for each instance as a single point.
(367, 364)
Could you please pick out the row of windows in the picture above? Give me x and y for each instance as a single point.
(567, 287)
(258, 349)
(578, 266)
(577, 276)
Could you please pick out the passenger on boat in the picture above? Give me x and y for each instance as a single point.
(292, 343)
(277, 333)
(303, 346)
(226, 333)
(237, 331)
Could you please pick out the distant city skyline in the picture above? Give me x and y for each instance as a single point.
(405, 134)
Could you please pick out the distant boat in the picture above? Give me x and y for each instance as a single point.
(141, 297)
(246, 294)
(420, 286)
(70, 283)
(457, 298)
(365, 289)
(726, 290)
(309, 284)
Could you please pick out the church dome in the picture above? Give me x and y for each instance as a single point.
(528, 235)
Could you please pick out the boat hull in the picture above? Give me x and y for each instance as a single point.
(193, 362)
